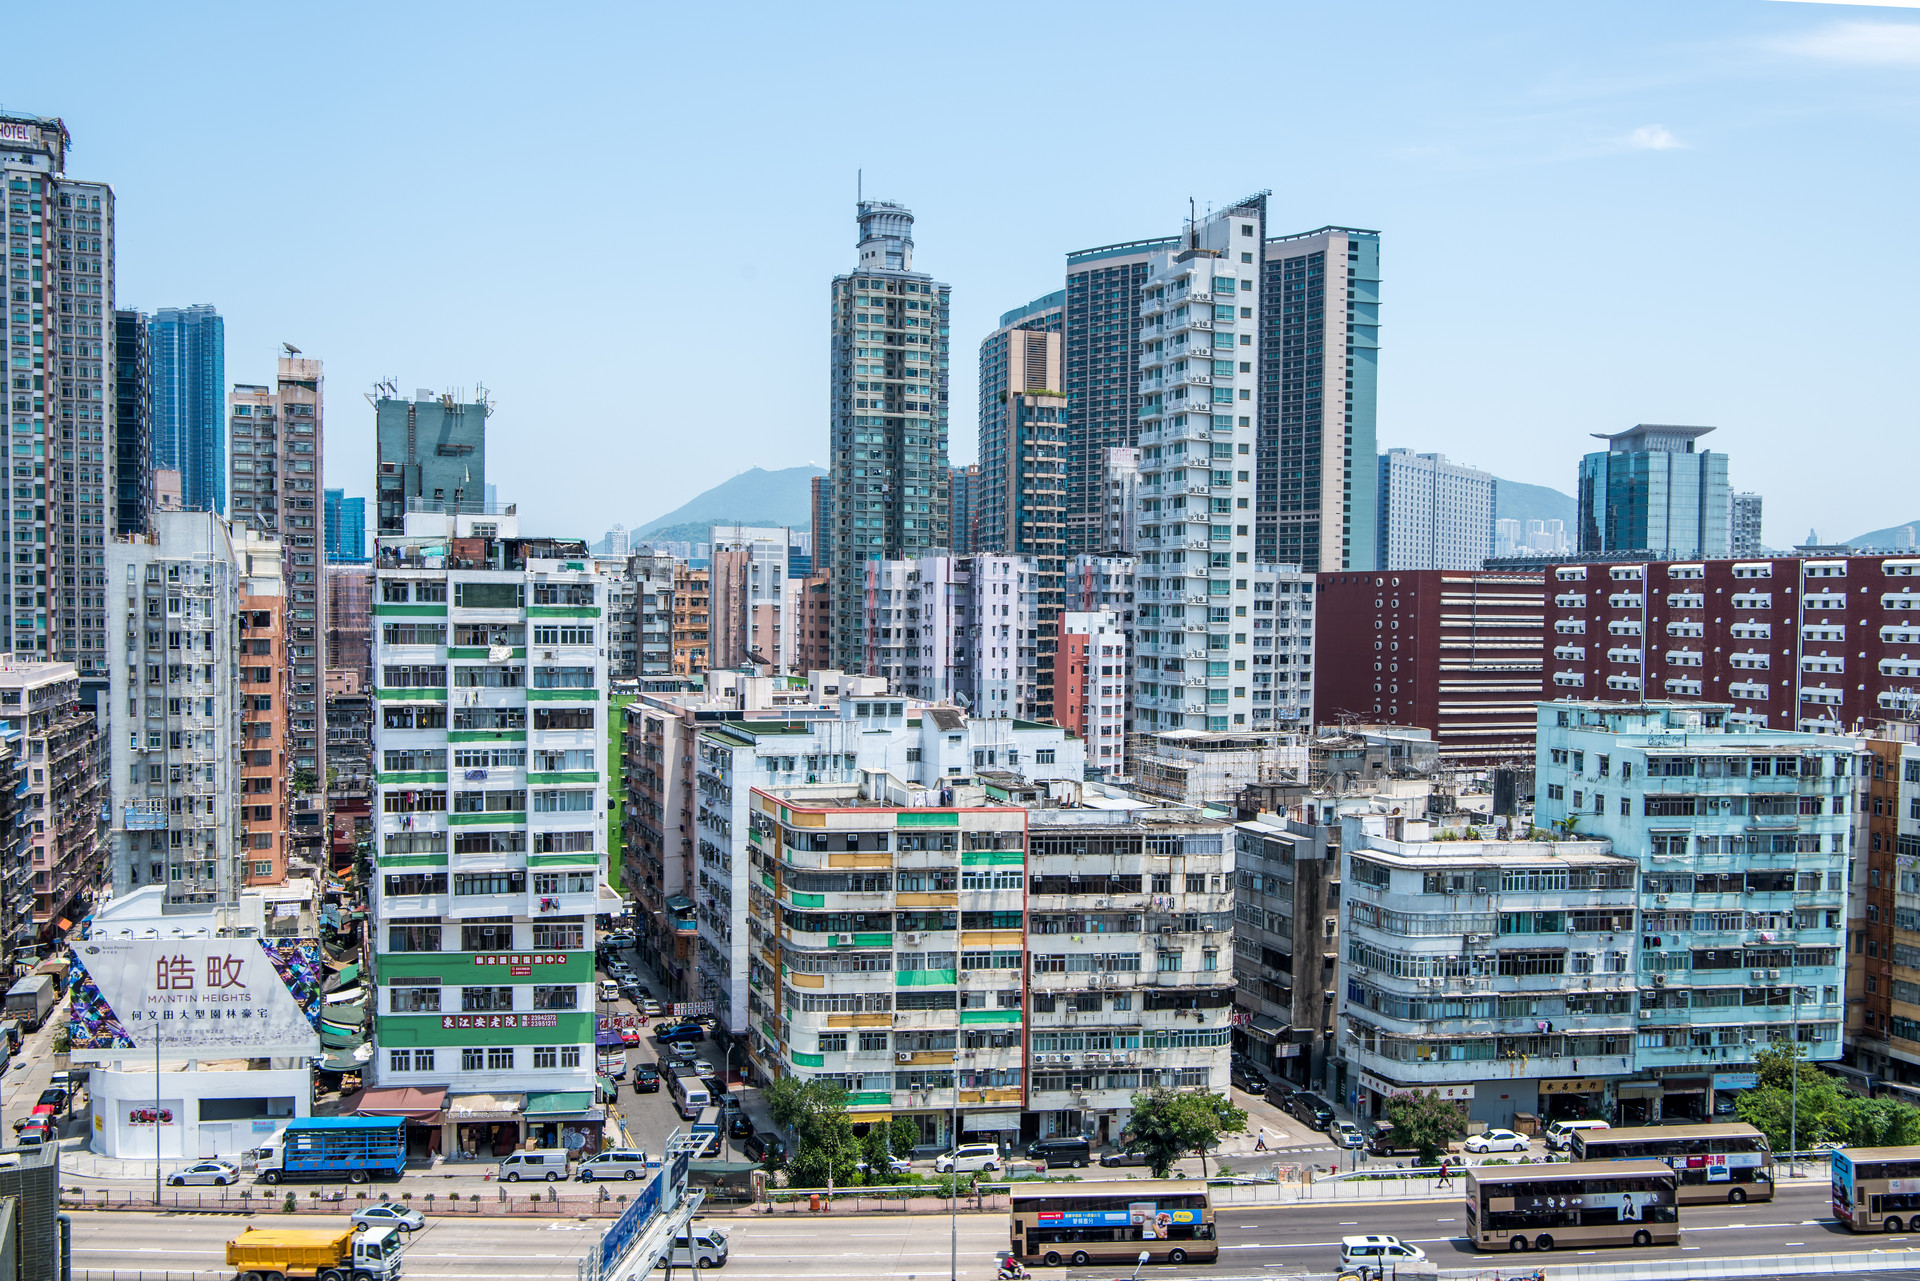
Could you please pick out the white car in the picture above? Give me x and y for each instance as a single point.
(1497, 1141)
(968, 1158)
(387, 1215)
(1345, 1134)
(1377, 1252)
(218, 1173)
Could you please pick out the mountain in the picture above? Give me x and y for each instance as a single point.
(1515, 501)
(754, 497)
(1900, 537)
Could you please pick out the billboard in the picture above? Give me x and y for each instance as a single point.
(251, 998)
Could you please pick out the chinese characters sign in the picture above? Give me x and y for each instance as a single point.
(520, 965)
(253, 997)
(462, 1022)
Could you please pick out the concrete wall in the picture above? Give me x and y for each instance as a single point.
(118, 1097)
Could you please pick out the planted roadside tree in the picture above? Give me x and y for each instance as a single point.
(1168, 1124)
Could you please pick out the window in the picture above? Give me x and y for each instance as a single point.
(500, 1058)
(568, 801)
(566, 935)
(492, 936)
(414, 996)
(413, 938)
(870, 1041)
(1169, 962)
(546, 1056)
(1044, 756)
(489, 596)
(569, 1056)
(410, 1060)
(512, 881)
(581, 882)
(833, 1042)
(562, 996)
(473, 1059)
(485, 1000)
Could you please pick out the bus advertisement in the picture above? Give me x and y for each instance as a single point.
(1172, 1222)
(1583, 1203)
(1876, 1189)
(1713, 1163)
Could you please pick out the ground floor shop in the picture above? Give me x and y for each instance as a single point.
(189, 1114)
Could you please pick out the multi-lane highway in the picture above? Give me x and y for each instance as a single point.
(1270, 1241)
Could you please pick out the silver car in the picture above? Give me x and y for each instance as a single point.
(388, 1215)
(218, 1173)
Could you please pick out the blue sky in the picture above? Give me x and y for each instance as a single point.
(623, 219)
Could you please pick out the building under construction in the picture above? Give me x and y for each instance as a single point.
(431, 455)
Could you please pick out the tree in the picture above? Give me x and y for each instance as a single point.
(1821, 1114)
(1426, 1121)
(815, 1112)
(1881, 1123)
(1168, 1124)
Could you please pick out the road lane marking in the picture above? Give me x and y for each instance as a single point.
(1793, 1243)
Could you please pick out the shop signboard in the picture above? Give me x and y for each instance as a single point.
(627, 1228)
(195, 998)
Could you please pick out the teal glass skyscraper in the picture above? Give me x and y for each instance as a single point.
(189, 432)
(346, 528)
(1652, 492)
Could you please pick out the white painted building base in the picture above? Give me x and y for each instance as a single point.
(123, 1105)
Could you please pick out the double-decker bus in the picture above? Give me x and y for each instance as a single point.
(1582, 1203)
(1876, 1189)
(1082, 1223)
(1712, 1162)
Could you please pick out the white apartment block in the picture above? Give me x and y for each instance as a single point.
(1199, 370)
(1282, 648)
(490, 816)
(956, 629)
(1433, 514)
(174, 754)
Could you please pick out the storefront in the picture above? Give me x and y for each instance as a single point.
(1684, 1098)
(565, 1119)
(1574, 1098)
(1635, 1103)
(1372, 1092)
(483, 1127)
(425, 1111)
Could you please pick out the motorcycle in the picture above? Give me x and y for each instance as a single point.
(1012, 1271)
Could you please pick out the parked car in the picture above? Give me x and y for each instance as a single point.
(682, 1051)
(539, 1163)
(739, 1125)
(1560, 1133)
(387, 1215)
(1280, 1093)
(648, 1006)
(1310, 1109)
(1345, 1134)
(1123, 1158)
(1496, 1141)
(646, 1078)
(35, 1133)
(617, 1163)
(686, 1030)
(1384, 1140)
(1071, 1151)
(53, 1097)
(218, 1173)
(968, 1158)
(1250, 1079)
(895, 1165)
(1378, 1253)
(764, 1147)
(1725, 1105)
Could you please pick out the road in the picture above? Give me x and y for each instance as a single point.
(1254, 1241)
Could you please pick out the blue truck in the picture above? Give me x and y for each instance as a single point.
(353, 1148)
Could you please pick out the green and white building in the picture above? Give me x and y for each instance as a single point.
(490, 827)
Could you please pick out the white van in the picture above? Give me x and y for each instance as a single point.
(544, 1163)
(620, 1163)
(1378, 1253)
(707, 1248)
(1560, 1133)
(609, 991)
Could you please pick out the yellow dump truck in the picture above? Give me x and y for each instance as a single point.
(323, 1254)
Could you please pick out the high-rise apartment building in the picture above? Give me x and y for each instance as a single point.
(1121, 516)
(963, 488)
(1199, 368)
(132, 422)
(692, 619)
(58, 789)
(820, 513)
(1743, 525)
(175, 767)
(491, 820)
(1102, 356)
(1883, 931)
(652, 574)
(1092, 676)
(266, 677)
(430, 454)
(1652, 492)
(889, 413)
(346, 520)
(58, 239)
(1744, 837)
(189, 402)
(1454, 652)
(755, 601)
(1792, 642)
(18, 934)
(1283, 644)
(958, 629)
(277, 452)
(1433, 514)
(1318, 400)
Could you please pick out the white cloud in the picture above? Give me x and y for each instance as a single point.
(1885, 44)
(1652, 138)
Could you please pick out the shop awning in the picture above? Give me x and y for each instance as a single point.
(485, 1107)
(559, 1102)
(63, 924)
(414, 1104)
(607, 1087)
(348, 975)
(1265, 1027)
(333, 1037)
(346, 1060)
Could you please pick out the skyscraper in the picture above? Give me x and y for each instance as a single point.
(58, 240)
(346, 528)
(132, 422)
(1200, 338)
(963, 489)
(1316, 453)
(889, 412)
(1743, 532)
(1433, 514)
(1102, 348)
(1650, 491)
(278, 459)
(430, 454)
(189, 402)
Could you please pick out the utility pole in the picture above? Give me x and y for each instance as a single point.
(1793, 1110)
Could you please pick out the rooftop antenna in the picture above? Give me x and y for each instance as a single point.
(290, 349)
(859, 187)
(1193, 230)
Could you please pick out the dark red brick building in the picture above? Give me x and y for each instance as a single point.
(1456, 652)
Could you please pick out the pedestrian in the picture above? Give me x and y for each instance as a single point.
(1260, 1144)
